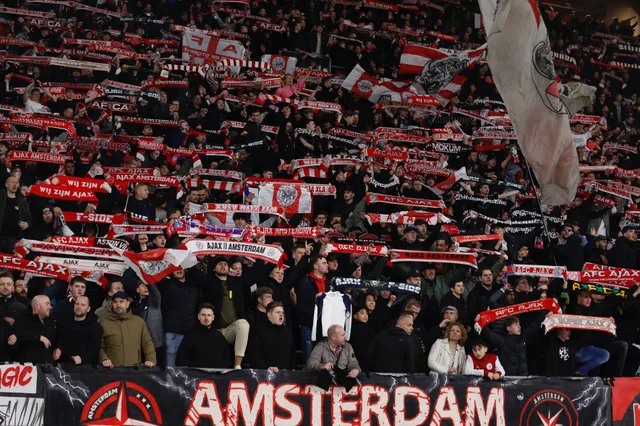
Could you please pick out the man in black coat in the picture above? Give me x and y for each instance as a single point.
(392, 350)
(454, 298)
(80, 334)
(568, 249)
(204, 346)
(271, 344)
(36, 333)
(11, 305)
(66, 307)
(624, 253)
(306, 291)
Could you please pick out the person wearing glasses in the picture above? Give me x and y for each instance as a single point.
(568, 249)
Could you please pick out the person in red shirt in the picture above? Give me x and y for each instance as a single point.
(481, 363)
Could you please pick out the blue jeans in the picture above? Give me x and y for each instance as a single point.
(172, 343)
(590, 357)
(307, 346)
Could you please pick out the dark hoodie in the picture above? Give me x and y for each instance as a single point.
(271, 345)
(204, 347)
(80, 338)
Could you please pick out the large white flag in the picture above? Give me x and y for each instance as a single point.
(203, 47)
(520, 59)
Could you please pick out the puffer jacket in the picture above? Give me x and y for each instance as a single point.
(124, 339)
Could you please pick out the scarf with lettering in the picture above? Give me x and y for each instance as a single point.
(303, 232)
(190, 227)
(25, 246)
(75, 240)
(397, 288)
(220, 185)
(371, 250)
(231, 174)
(466, 259)
(86, 265)
(461, 239)
(119, 230)
(580, 322)
(41, 123)
(487, 317)
(88, 217)
(44, 269)
(537, 271)
(266, 252)
(62, 193)
(371, 198)
(234, 208)
(481, 200)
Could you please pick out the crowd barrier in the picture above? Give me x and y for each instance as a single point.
(83, 395)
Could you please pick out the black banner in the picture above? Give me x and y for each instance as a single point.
(87, 396)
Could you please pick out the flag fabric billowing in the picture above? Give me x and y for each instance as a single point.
(437, 73)
(293, 199)
(202, 48)
(153, 265)
(519, 56)
(285, 64)
(367, 86)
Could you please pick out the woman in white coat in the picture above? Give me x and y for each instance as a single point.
(447, 355)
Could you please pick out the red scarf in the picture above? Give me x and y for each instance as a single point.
(320, 282)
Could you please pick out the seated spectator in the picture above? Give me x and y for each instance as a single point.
(447, 356)
(204, 346)
(481, 363)
(335, 353)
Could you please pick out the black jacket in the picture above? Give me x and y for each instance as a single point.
(63, 310)
(204, 348)
(560, 358)
(512, 349)
(11, 306)
(478, 300)
(271, 345)
(24, 213)
(179, 304)
(392, 352)
(80, 338)
(362, 334)
(450, 300)
(623, 254)
(570, 253)
(306, 291)
(28, 330)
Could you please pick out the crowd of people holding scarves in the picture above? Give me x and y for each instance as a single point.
(344, 186)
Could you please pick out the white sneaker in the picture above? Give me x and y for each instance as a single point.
(237, 367)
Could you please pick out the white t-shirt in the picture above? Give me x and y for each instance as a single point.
(31, 106)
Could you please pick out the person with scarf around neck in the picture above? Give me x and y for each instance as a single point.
(307, 289)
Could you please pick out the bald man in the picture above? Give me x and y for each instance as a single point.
(15, 216)
(36, 333)
(334, 353)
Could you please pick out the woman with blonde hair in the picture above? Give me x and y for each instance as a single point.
(447, 355)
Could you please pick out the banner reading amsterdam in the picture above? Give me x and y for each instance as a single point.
(86, 396)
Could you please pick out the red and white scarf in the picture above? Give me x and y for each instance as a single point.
(461, 239)
(25, 246)
(487, 317)
(466, 259)
(403, 201)
(580, 322)
(372, 250)
(268, 253)
(44, 269)
(84, 184)
(301, 232)
(86, 265)
(55, 192)
(537, 271)
(234, 208)
(88, 217)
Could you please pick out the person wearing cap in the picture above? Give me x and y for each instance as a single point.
(624, 253)
(112, 288)
(596, 250)
(125, 336)
(45, 227)
(454, 298)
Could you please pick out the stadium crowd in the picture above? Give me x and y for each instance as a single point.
(149, 116)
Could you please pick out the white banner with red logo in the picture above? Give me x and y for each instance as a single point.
(202, 47)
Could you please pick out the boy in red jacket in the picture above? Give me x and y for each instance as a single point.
(480, 363)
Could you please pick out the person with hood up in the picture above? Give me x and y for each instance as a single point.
(80, 335)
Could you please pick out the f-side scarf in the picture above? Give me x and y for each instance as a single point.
(380, 251)
(45, 269)
(403, 201)
(88, 217)
(268, 253)
(580, 322)
(488, 317)
(402, 288)
(466, 259)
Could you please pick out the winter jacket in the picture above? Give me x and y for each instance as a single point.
(306, 291)
(362, 334)
(444, 281)
(512, 349)
(322, 353)
(570, 253)
(28, 329)
(450, 300)
(125, 338)
(204, 347)
(271, 345)
(80, 338)
(149, 310)
(623, 254)
(11, 306)
(442, 358)
(179, 303)
(392, 352)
